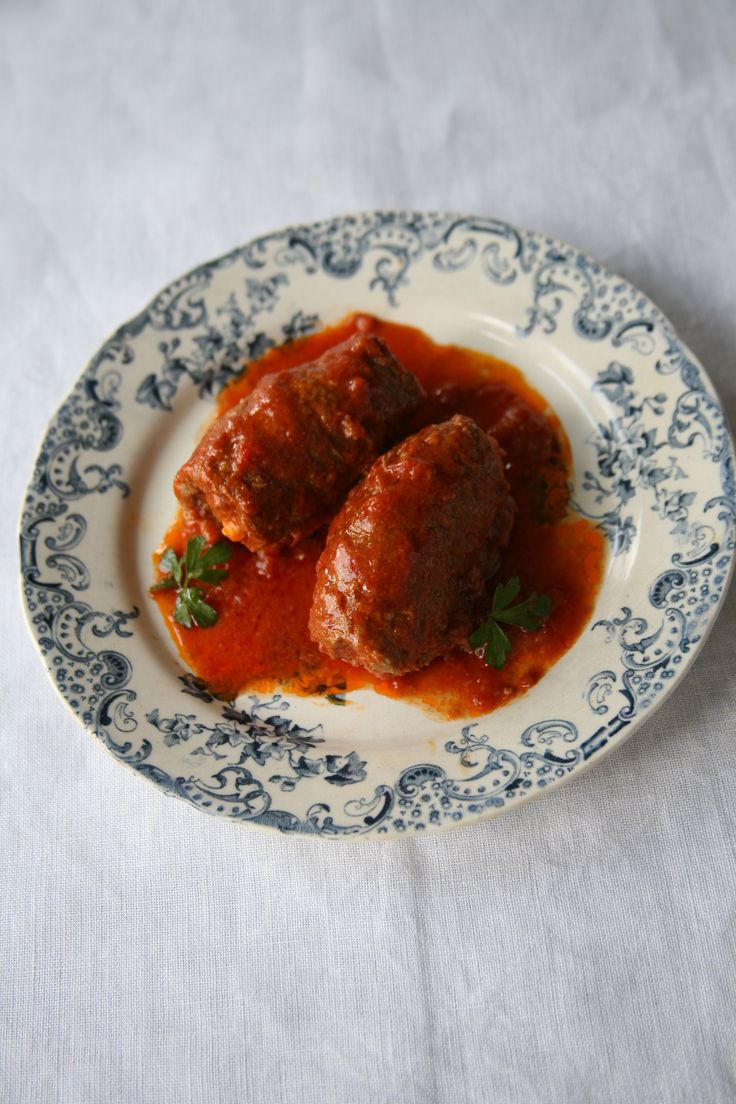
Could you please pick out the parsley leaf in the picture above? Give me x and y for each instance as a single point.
(196, 563)
(529, 614)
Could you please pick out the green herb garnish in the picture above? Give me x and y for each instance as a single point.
(529, 614)
(181, 570)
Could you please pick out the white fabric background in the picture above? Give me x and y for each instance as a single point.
(578, 949)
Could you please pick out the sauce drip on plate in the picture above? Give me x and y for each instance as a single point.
(261, 640)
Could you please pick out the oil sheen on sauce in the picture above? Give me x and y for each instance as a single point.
(261, 642)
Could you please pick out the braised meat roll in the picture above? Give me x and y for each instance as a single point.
(410, 554)
(277, 466)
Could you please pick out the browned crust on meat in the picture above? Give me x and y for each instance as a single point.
(278, 465)
(410, 553)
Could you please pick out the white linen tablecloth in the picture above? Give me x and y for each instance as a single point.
(579, 948)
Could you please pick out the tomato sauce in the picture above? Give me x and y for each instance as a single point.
(261, 640)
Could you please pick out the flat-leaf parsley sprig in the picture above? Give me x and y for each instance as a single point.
(529, 614)
(199, 565)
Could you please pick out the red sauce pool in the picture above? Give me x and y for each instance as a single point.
(261, 641)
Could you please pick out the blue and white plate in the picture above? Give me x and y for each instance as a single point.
(653, 465)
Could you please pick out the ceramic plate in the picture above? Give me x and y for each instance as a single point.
(653, 466)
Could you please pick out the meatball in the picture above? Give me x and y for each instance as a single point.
(524, 434)
(277, 466)
(409, 555)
